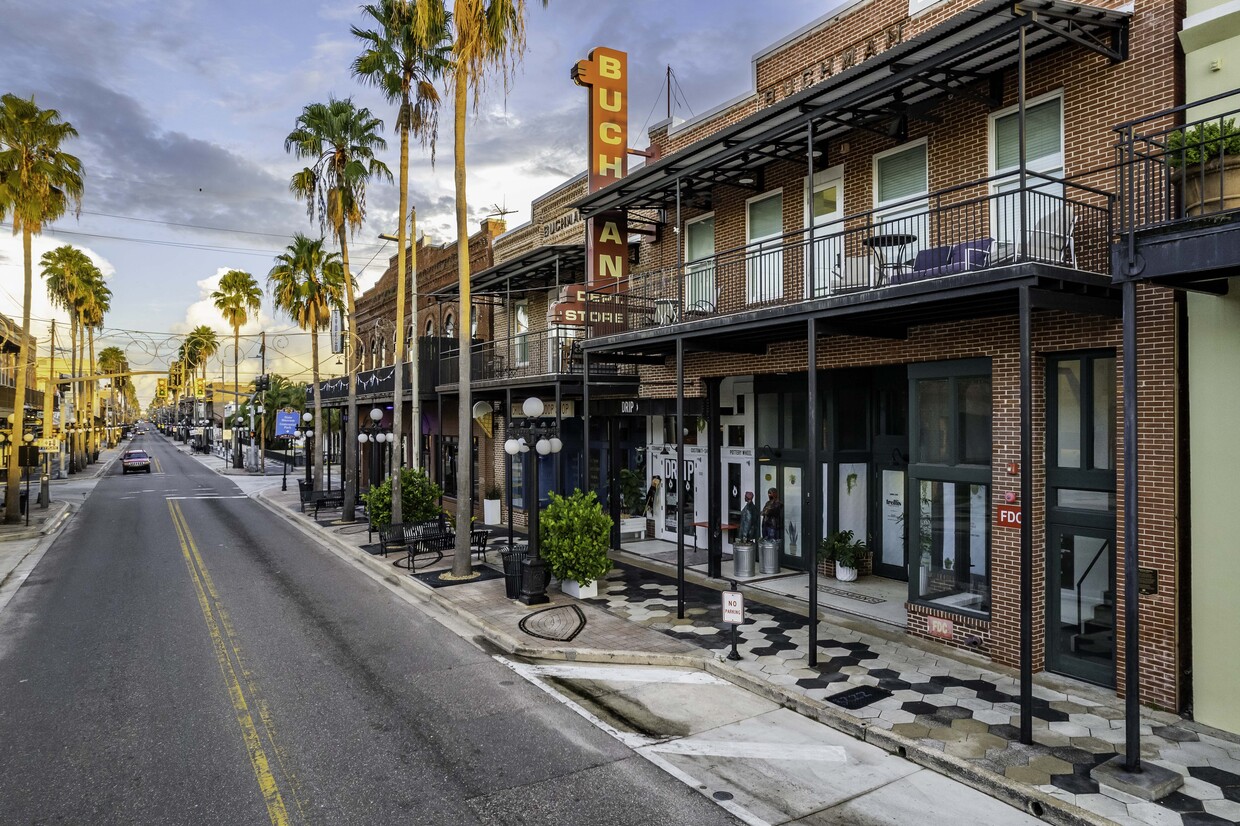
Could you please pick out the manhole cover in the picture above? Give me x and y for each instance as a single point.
(558, 624)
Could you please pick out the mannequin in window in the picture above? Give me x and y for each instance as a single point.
(749, 520)
(772, 515)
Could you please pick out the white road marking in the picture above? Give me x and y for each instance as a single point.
(753, 751)
(623, 674)
(206, 497)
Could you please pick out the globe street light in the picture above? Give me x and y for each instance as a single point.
(308, 417)
(546, 442)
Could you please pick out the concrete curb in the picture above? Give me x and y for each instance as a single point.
(1033, 801)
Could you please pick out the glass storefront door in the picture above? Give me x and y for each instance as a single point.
(1080, 609)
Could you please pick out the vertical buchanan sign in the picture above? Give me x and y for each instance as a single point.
(606, 74)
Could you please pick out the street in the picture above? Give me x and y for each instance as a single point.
(180, 656)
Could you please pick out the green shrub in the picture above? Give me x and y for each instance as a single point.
(1203, 142)
(574, 534)
(841, 547)
(632, 495)
(493, 491)
(419, 498)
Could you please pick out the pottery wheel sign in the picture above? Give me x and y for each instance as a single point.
(734, 607)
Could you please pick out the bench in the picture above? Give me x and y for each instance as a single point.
(423, 539)
(392, 538)
(328, 499)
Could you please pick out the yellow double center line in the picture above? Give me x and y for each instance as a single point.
(232, 667)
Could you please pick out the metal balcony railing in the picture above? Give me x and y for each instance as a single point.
(973, 227)
(1170, 171)
(541, 353)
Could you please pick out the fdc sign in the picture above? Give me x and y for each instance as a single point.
(1007, 516)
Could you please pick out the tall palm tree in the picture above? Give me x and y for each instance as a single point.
(403, 61)
(39, 182)
(308, 283)
(340, 140)
(67, 271)
(203, 344)
(488, 36)
(112, 361)
(238, 296)
(98, 302)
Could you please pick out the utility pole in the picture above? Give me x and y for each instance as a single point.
(262, 421)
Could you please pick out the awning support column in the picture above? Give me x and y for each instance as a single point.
(1026, 522)
(813, 473)
(680, 477)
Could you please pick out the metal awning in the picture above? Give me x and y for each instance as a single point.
(541, 267)
(964, 56)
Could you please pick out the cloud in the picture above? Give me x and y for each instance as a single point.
(12, 283)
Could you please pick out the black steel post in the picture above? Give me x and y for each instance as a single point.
(680, 477)
(508, 428)
(714, 462)
(284, 462)
(1026, 521)
(308, 450)
(612, 475)
(534, 573)
(584, 482)
(1132, 653)
(814, 472)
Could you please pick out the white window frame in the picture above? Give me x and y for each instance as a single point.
(706, 288)
(1006, 247)
(829, 252)
(899, 219)
(768, 266)
(521, 342)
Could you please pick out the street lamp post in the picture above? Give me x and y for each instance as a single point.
(29, 440)
(373, 433)
(284, 464)
(546, 442)
(307, 418)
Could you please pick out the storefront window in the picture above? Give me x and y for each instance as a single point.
(448, 465)
(951, 535)
(932, 422)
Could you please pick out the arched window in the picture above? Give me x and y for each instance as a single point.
(430, 327)
(449, 325)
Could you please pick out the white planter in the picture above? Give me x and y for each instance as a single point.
(844, 574)
(490, 511)
(575, 589)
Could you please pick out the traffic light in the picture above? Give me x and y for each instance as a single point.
(200, 388)
(161, 389)
(262, 383)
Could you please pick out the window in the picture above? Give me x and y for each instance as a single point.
(430, 327)
(1081, 415)
(949, 546)
(516, 482)
(473, 320)
(764, 262)
(826, 206)
(521, 331)
(1048, 220)
(700, 264)
(449, 326)
(901, 187)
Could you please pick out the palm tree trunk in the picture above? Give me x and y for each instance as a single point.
(351, 447)
(237, 463)
(73, 387)
(318, 409)
(461, 563)
(94, 386)
(80, 396)
(12, 502)
(415, 374)
(398, 401)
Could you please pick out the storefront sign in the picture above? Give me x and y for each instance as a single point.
(734, 607)
(606, 74)
(568, 219)
(939, 627)
(568, 410)
(852, 55)
(608, 313)
(1007, 516)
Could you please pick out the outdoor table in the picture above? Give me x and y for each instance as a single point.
(726, 526)
(890, 252)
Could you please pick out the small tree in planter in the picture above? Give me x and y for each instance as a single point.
(1206, 158)
(419, 498)
(845, 553)
(574, 534)
(491, 500)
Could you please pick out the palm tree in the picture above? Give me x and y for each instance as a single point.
(67, 271)
(308, 283)
(98, 302)
(341, 140)
(112, 361)
(487, 36)
(238, 296)
(403, 62)
(203, 344)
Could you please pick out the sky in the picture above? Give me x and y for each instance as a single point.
(182, 107)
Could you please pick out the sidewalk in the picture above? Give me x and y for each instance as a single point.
(940, 707)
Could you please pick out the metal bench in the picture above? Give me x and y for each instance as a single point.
(425, 539)
(329, 499)
(392, 538)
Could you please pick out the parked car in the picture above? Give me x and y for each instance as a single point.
(135, 460)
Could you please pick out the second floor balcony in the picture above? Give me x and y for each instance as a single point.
(969, 233)
(539, 356)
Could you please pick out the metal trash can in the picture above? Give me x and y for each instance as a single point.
(513, 556)
(743, 559)
(768, 556)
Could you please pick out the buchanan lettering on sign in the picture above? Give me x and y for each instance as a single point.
(1007, 516)
(606, 74)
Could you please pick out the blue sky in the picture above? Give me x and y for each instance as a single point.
(183, 106)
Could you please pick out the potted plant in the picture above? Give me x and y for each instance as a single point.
(1206, 158)
(847, 554)
(574, 535)
(632, 504)
(491, 504)
(419, 499)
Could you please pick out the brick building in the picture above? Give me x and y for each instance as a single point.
(952, 291)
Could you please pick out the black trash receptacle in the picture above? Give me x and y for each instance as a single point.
(513, 556)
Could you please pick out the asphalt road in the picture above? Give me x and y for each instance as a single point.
(181, 656)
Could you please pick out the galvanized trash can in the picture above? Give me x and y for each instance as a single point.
(768, 556)
(743, 559)
(512, 557)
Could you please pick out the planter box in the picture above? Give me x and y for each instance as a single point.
(573, 588)
(1213, 187)
(491, 511)
(633, 527)
(826, 568)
